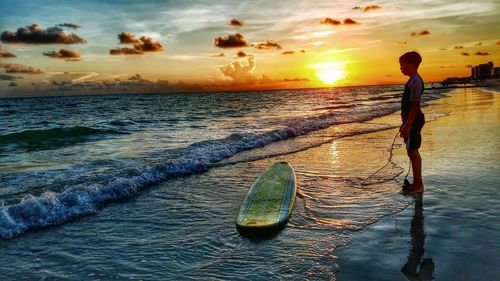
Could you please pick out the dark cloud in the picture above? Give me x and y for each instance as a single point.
(420, 33)
(458, 47)
(231, 41)
(350, 21)
(482, 54)
(402, 43)
(303, 51)
(288, 53)
(136, 77)
(465, 54)
(330, 21)
(5, 53)
(70, 25)
(443, 49)
(125, 51)
(127, 38)
(269, 44)
(140, 45)
(356, 8)
(19, 68)
(6, 77)
(478, 44)
(498, 42)
(296, 80)
(63, 54)
(469, 66)
(241, 54)
(371, 8)
(221, 55)
(34, 34)
(12, 84)
(236, 22)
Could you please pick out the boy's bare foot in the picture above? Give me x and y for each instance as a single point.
(414, 189)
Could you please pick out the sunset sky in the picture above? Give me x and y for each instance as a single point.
(66, 47)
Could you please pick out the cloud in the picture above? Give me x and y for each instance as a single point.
(19, 68)
(269, 44)
(498, 42)
(288, 53)
(236, 22)
(350, 21)
(334, 22)
(5, 53)
(6, 77)
(330, 21)
(465, 54)
(443, 49)
(402, 42)
(128, 38)
(469, 66)
(241, 54)
(371, 8)
(70, 25)
(63, 54)
(231, 41)
(420, 33)
(136, 77)
(12, 84)
(221, 55)
(34, 34)
(458, 47)
(296, 79)
(140, 45)
(478, 44)
(482, 54)
(240, 72)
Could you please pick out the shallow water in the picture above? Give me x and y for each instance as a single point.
(167, 210)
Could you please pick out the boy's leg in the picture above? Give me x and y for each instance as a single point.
(416, 163)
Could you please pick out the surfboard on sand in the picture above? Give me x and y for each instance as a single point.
(269, 201)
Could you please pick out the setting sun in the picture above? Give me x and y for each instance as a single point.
(330, 72)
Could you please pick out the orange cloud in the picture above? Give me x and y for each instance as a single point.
(19, 68)
(236, 22)
(330, 21)
(5, 53)
(141, 45)
(350, 21)
(269, 44)
(63, 54)
(288, 53)
(478, 44)
(231, 41)
(420, 33)
(371, 8)
(465, 54)
(221, 55)
(241, 54)
(458, 47)
(482, 54)
(34, 34)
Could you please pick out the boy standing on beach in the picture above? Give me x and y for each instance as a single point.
(412, 117)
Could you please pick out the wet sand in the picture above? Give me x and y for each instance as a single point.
(451, 233)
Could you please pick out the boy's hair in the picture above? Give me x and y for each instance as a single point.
(412, 58)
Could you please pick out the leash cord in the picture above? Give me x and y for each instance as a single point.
(388, 161)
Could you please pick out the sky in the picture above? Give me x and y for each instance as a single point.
(85, 47)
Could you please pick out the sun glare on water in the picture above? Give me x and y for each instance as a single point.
(330, 72)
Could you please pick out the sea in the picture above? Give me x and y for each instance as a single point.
(148, 186)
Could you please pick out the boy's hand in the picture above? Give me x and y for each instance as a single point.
(404, 131)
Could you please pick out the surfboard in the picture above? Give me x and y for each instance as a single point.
(269, 202)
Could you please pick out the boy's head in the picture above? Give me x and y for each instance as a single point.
(410, 62)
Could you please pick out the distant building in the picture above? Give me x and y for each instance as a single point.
(483, 71)
(496, 72)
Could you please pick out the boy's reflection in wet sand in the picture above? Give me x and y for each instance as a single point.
(410, 269)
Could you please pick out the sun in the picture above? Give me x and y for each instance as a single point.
(330, 72)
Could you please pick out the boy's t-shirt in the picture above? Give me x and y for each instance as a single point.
(415, 83)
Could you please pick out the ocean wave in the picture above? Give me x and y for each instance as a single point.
(51, 208)
(42, 139)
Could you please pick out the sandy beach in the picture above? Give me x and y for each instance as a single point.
(452, 233)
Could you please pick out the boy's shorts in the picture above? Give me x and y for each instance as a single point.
(414, 140)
